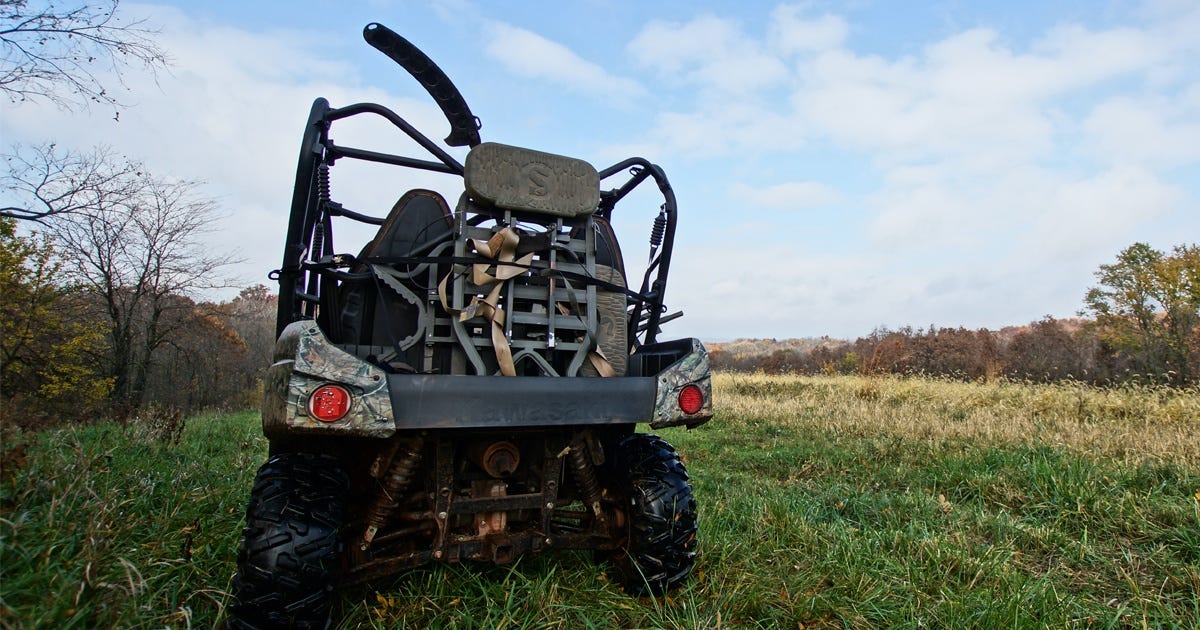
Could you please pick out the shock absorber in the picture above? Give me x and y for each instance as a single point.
(393, 483)
(585, 475)
(318, 242)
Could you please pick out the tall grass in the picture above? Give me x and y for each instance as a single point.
(1130, 422)
(825, 502)
(121, 526)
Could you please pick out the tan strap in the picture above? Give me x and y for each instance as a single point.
(600, 362)
(501, 250)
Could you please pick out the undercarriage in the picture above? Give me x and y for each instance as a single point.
(450, 496)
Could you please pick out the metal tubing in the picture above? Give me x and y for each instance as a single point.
(388, 158)
(404, 125)
(299, 222)
(653, 292)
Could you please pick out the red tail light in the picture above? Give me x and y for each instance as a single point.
(329, 403)
(691, 399)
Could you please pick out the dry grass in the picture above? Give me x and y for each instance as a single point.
(825, 502)
(1130, 423)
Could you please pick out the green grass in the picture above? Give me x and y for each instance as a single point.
(825, 502)
(105, 527)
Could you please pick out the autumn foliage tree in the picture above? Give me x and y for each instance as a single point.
(1144, 326)
(1051, 350)
(103, 300)
(220, 350)
(1147, 308)
(200, 363)
(57, 341)
(252, 316)
(127, 245)
(49, 349)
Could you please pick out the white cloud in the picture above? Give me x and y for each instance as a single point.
(739, 127)
(672, 47)
(772, 288)
(1098, 213)
(788, 291)
(984, 180)
(1157, 131)
(791, 32)
(1076, 56)
(787, 195)
(929, 217)
(999, 166)
(528, 54)
(709, 52)
(965, 96)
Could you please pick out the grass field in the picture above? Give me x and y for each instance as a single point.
(827, 502)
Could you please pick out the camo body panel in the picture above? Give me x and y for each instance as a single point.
(318, 362)
(692, 369)
(275, 399)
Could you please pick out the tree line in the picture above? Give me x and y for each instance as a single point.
(1141, 323)
(93, 332)
(88, 331)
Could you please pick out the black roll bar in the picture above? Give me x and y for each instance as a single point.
(654, 292)
(429, 145)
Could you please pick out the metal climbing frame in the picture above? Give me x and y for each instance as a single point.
(548, 322)
(541, 335)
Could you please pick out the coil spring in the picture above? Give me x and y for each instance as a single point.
(585, 474)
(317, 248)
(323, 183)
(318, 241)
(660, 228)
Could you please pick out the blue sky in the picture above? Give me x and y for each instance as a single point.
(839, 166)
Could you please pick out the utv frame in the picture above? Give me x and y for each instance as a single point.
(467, 387)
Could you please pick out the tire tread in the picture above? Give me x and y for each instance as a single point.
(662, 517)
(290, 554)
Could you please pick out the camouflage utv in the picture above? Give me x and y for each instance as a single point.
(468, 385)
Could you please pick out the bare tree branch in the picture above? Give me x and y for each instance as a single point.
(62, 55)
(42, 181)
(140, 253)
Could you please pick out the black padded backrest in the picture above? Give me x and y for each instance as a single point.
(608, 250)
(417, 219)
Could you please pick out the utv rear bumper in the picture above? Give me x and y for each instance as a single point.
(383, 403)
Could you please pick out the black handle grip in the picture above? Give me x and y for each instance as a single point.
(464, 126)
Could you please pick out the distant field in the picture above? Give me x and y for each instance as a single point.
(827, 502)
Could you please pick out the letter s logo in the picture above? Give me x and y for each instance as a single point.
(537, 178)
